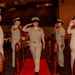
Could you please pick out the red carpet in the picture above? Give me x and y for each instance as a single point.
(28, 68)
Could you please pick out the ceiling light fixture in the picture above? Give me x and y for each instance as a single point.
(11, 9)
(2, 5)
(15, 2)
(44, 4)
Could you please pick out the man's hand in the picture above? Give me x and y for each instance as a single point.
(29, 24)
(71, 23)
(62, 46)
(43, 47)
(20, 27)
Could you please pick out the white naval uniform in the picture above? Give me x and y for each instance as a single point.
(59, 33)
(35, 45)
(1, 40)
(15, 39)
(72, 46)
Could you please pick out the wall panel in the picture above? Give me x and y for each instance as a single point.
(66, 11)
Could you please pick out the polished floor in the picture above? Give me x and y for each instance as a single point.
(63, 71)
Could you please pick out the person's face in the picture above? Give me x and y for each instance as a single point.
(56, 25)
(74, 21)
(18, 23)
(35, 24)
(59, 25)
(0, 18)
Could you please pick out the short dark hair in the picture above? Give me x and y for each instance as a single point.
(73, 18)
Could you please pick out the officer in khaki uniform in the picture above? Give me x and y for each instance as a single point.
(71, 31)
(1, 36)
(15, 37)
(36, 35)
(60, 38)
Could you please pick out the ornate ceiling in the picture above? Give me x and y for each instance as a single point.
(26, 9)
(5, 3)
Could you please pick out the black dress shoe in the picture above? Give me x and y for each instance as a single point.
(36, 73)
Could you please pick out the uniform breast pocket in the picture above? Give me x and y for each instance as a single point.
(39, 35)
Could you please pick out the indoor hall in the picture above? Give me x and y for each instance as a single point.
(47, 13)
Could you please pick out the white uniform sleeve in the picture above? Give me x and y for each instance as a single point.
(1, 35)
(70, 31)
(62, 32)
(27, 30)
(43, 34)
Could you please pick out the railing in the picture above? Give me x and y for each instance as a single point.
(55, 59)
(17, 61)
(17, 56)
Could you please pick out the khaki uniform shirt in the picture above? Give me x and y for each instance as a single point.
(1, 36)
(72, 42)
(59, 33)
(35, 35)
(15, 33)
